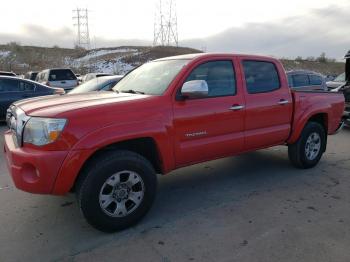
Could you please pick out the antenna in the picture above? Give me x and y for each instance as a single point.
(165, 24)
(80, 16)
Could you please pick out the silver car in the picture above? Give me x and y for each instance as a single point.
(58, 77)
(338, 81)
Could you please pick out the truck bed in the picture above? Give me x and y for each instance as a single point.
(324, 104)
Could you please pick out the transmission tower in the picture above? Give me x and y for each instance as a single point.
(165, 24)
(81, 21)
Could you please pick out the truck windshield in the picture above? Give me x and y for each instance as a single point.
(152, 78)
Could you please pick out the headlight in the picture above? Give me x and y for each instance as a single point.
(42, 131)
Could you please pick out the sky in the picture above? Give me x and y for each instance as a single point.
(279, 28)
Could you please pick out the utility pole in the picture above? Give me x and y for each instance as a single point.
(165, 24)
(81, 21)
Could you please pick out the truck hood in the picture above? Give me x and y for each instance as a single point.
(54, 105)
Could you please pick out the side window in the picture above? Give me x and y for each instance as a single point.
(300, 80)
(260, 76)
(26, 86)
(315, 80)
(9, 85)
(2, 86)
(219, 76)
(290, 81)
(109, 86)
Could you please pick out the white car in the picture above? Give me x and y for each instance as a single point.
(90, 76)
(58, 77)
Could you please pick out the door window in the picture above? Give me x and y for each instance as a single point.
(26, 86)
(300, 80)
(9, 85)
(315, 80)
(260, 76)
(219, 76)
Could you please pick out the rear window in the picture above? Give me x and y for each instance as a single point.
(260, 76)
(300, 80)
(61, 74)
(315, 80)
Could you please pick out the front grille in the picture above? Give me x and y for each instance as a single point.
(16, 120)
(9, 114)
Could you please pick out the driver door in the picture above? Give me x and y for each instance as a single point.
(212, 126)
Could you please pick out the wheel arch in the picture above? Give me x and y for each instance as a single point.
(319, 117)
(144, 146)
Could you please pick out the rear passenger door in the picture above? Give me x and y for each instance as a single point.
(268, 104)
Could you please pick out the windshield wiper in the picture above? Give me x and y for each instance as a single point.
(131, 91)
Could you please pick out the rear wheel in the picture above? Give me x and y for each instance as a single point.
(116, 190)
(308, 150)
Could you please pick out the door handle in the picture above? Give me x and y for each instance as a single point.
(236, 107)
(283, 102)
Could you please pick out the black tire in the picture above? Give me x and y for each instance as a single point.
(93, 178)
(297, 152)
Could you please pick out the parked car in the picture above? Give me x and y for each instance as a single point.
(90, 76)
(104, 83)
(337, 82)
(330, 78)
(306, 80)
(345, 89)
(59, 77)
(13, 89)
(31, 75)
(4, 73)
(166, 114)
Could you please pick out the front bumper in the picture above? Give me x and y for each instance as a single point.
(32, 170)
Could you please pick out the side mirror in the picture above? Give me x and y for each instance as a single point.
(195, 89)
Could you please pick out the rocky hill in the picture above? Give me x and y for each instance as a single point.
(116, 60)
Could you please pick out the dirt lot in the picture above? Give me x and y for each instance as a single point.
(254, 207)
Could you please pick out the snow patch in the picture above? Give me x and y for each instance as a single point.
(4, 54)
(95, 54)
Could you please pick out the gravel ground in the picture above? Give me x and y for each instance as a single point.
(253, 207)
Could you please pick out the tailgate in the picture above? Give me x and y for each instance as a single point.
(65, 84)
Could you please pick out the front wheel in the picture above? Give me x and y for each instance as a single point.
(308, 150)
(117, 190)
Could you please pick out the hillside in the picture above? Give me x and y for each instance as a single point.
(116, 60)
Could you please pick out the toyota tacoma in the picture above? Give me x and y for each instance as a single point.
(108, 147)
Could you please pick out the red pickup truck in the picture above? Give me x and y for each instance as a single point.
(169, 113)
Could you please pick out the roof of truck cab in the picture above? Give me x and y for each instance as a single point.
(208, 55)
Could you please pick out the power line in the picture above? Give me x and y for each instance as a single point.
(81, 21)
(165, 24)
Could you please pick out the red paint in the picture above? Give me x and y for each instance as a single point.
(98, 120)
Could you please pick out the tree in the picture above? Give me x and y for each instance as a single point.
(322, 58)
(299, 59)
